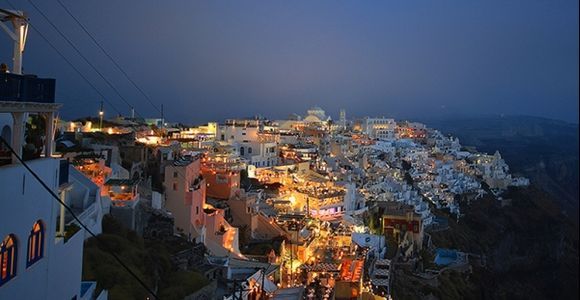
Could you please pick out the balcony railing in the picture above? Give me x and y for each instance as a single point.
(26, 88)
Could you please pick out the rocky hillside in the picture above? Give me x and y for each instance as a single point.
(544, 150)
(530, 249)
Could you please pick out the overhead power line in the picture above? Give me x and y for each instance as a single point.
(53, 194)
(69, 62)
(80, 54)
(107, 54)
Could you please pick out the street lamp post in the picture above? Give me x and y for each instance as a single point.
(293, 227)
(101, 113)
(263, 279)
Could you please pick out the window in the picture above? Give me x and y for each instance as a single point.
(242, 152)
(8, 257)
(35, 244)
(175, 186)
(221, 179)
(249, 150)
(223, 137)
(174, 174)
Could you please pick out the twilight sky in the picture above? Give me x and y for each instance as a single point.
(210, 60)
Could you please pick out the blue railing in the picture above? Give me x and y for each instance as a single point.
(26, 88)
(63, 172)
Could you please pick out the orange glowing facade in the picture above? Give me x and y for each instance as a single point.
(93, 166)
(221, 184)
(221, 169)
(411, 130)
(185, 195)
(349, 285)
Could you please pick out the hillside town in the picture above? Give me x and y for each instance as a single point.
(306, 207)
(338, 204)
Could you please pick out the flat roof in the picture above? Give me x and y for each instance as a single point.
(118, 182)
(289, 293)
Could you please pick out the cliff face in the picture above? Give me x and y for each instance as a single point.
(546, 151)
(530, 248)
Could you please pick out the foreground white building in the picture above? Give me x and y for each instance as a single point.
(41, 248)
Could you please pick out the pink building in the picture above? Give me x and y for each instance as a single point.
(185, 192)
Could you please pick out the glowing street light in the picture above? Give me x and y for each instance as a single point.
(101, 113)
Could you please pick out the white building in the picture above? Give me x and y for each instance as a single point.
(41, 251)
(380, 128)
(316, 115)
(41, 247)
(254, 142)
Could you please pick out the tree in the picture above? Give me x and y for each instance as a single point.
(245, 181)
(409, 179)
(34, 136)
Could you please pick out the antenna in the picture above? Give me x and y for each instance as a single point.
(162, 118)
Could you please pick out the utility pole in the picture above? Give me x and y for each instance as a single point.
(292, 260)
(17, 34)
(262, 286)
(295, 229)
(162, 117)
(101, 113)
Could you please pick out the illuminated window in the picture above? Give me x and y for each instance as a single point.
(8, 257)
(35, 244)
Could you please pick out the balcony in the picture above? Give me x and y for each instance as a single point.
(196, 183)
(26, 88)
(63, 172)
(122, 192)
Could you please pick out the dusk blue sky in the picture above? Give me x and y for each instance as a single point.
(211, 60)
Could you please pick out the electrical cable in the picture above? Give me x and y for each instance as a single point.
(68, 62)
(51, 192)
(108, 55)
(80, 54)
